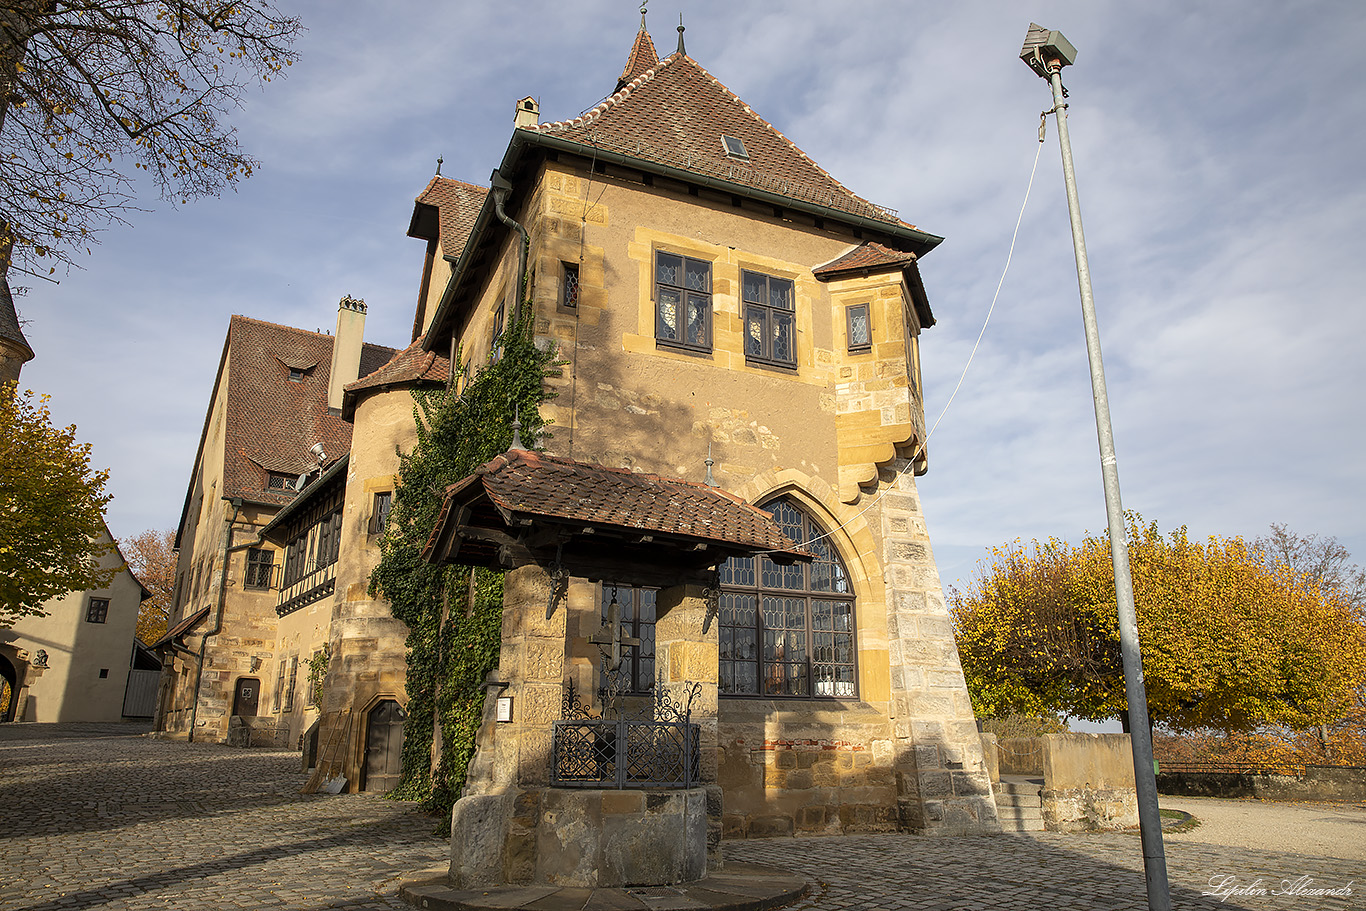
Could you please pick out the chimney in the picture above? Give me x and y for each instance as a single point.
(346, 347)
(528, 113)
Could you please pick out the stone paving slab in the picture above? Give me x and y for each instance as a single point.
(97, 818)
(740, 887)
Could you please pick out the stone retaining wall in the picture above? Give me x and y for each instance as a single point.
(1346, 783)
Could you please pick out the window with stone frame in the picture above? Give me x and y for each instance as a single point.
(859, 328)
(379, 511)
(770, 318)
(260, 568)
(682, 301)
(637, 606)
(97, 610)
(569, 285)
(278, 701)
(292, 683)
(788, 630)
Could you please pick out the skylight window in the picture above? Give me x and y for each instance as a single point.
(734, 148)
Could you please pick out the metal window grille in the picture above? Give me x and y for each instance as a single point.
(637, 607)
(569, 287)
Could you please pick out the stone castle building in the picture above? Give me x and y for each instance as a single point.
(715, 295)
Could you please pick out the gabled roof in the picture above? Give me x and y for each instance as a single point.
(445, 211)
(409, 367)
(669, 120)
(272, 421)
(611, 507)
(675, 113)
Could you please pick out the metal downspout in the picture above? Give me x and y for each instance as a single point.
(500, 188)
(228, 548)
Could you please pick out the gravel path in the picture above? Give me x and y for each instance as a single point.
(1325, 829)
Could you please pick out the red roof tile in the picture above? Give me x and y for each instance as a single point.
(271, 421)
(410, 366)
(457, 204)
(643, 57)
(675, 113)
(182, 627)
(562, 491)
(869, 257)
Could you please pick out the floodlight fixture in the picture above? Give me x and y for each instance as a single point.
(1044, 48)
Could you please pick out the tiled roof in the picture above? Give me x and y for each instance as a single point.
(411, 365)
(182, 627)
(538, 486)
(271, 421)
(458, 204)
(867, 256)
(675, 114)
(643, 57)
(9, 318)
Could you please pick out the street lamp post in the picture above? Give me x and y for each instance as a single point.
(1047, 52)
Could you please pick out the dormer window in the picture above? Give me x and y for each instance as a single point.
(278, 480)
(296, 375)
(734, 148)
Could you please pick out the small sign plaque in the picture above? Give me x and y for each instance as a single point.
(504, 709)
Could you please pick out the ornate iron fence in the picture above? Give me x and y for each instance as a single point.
(622, 753)
(656, 746)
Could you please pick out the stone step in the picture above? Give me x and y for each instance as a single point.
(1020, 786)
(1009, 812)
(1019, 801)
(1021, 825)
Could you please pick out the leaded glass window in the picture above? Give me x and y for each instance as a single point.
(770, 320)
(788, 630)
(860, 327)
(683, 301)
(637, 606)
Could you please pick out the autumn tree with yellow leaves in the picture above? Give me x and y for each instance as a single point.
(51, 509)
(151, 555)
(1232, 640)
(94, 92)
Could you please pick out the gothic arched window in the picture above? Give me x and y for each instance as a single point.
(788, 630)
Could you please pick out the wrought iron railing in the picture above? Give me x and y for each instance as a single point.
(625, 754)
(656, 745)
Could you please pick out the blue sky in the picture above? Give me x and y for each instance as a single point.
(1218, 149)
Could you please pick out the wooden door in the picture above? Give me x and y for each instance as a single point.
(246, 696)
(383, 747)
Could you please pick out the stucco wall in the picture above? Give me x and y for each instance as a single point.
(71, 688)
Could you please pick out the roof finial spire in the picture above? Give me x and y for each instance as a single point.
(711, 481)
(642, 14)
(516, 427)
(681, 49)
(439, 159)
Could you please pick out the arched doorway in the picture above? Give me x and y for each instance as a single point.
(383, 747)
(246, 697)
(9, 689)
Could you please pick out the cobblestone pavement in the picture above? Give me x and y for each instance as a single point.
(94, 817)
